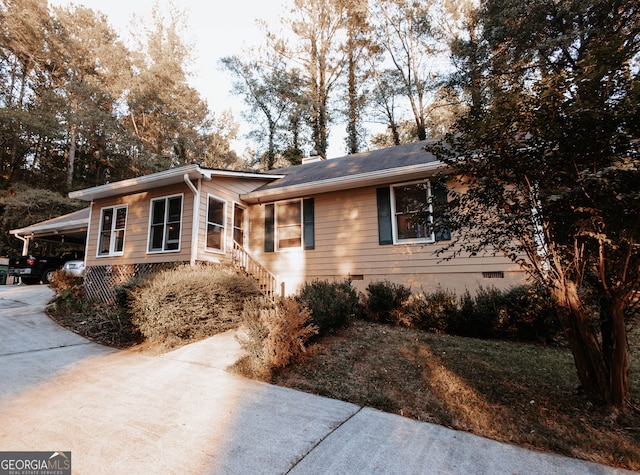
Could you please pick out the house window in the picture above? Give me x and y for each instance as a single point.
(411, 210)
(289, 225)
(406, 213)
(113, 221)
(238, 224)
(215, 224)
(166, 217)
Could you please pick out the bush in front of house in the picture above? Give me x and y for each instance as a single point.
(532, 314)
(107, 324)
(481, 316)
(189, 302)
(430, 311)
(522, 312)
(331, 303)
(69, 292)
(384, 301)
(272, 336)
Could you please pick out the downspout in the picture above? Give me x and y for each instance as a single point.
(196, 217)
(86, 241)
(25, 244)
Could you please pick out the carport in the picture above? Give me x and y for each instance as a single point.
(69, 228)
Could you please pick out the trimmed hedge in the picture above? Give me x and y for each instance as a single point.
(189, 303)
(524, 312)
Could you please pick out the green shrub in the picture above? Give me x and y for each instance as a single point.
(272, 336)
(489, 312)
(189, 303)
(532, 314)
(431, 311)
(330, 303)
(523, 312)
(463, 321)
(383, 301)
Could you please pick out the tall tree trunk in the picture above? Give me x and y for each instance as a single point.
(71, 157)
(395, 133)
(587, 354)
(352, 124)
(619, 354)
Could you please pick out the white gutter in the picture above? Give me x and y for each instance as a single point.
(342, 183)
(76, 223)
(86, 241)
(194, 220)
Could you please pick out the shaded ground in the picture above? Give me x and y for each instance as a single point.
(522, 394)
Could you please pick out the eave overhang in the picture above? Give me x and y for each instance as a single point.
(160, 179)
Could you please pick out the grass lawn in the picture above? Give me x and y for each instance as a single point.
(518, 393)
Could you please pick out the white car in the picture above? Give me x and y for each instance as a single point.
(75, 268)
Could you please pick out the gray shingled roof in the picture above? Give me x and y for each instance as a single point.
(351, 165)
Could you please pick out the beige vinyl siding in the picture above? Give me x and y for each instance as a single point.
(228, 190)
(137, 228)
(346, 245)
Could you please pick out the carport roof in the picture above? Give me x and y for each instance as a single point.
(71, 227)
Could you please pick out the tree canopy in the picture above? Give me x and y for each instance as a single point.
(79, 108)
(353, 62)
(547, 163)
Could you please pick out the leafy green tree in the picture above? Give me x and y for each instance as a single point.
(274, 97)
(86, 66)
(166, 115)
(22, 206)
(357, 47)
(317, 53)
(217, 152)
(547, 164)
(385, 94)
(23, 27)
(404, 30)
(65, 70)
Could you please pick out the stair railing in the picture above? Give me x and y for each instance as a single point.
(267, 282)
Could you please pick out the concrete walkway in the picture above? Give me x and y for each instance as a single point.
(181, 413)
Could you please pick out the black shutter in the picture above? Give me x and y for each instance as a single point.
(308, 231)
(385, 231)
(269, 225)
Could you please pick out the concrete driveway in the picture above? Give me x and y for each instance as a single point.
(181, 413)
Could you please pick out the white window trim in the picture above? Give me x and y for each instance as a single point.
(394, 222)
(245, 222)
(166, 198)
(277, 228)
(111, 253)
(224, 225)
